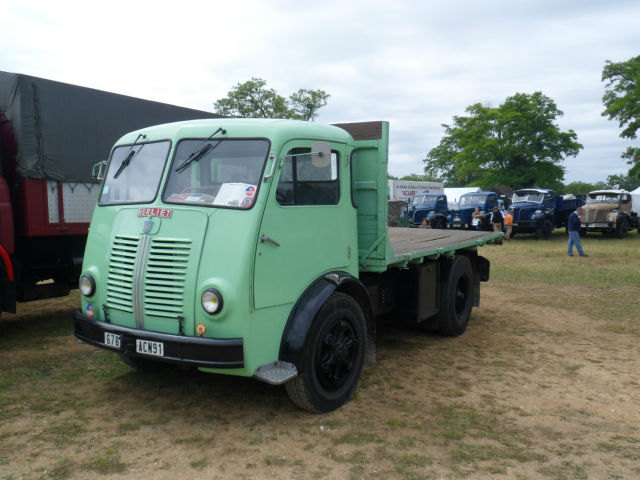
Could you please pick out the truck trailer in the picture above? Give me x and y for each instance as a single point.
(51, 136)
(261, 248)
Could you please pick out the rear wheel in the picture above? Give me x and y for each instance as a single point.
(333, 357)
(456, 296)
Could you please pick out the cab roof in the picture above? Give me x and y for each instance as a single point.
(274, 129)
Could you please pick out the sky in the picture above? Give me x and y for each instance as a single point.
(416, 64)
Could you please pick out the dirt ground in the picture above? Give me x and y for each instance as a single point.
(537, 387)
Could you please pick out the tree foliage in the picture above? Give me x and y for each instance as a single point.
(516, 144)
(582, 188)
(622, 102)
(252, 99)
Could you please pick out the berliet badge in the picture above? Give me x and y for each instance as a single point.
(146, 228)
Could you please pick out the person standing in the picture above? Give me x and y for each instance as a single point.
(476, 219)
(508, 224)
(496, 219)
(574, 224)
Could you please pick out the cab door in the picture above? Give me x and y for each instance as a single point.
(308, 227)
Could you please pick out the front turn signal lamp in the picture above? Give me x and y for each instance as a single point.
(211, 301)
(87, 285)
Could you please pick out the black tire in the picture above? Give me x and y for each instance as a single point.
(583, 232)
(143, 364)
(456, 296)
(333, 357)
(622, 227)
(543, 231)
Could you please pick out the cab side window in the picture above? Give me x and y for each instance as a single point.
(305, 182)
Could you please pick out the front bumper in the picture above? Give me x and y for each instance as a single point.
(192, 351)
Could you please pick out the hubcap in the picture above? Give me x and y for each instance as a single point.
(337, 353)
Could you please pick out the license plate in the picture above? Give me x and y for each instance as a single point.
(112, 340)
(456, 219)
(148, 347)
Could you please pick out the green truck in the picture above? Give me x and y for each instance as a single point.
(261, 248)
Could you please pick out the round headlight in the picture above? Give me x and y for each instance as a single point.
(87, 285)
(211, 301)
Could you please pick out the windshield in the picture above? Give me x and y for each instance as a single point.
(467, 200)
(227, 174)
(524, 196)
(134, 173)
(424, 201)
(603, 198)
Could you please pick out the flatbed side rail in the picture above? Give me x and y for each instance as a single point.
(408, 246)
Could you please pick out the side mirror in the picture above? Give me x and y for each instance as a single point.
(101, 168)
(321, 154)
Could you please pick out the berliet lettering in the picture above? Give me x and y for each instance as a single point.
(155, 212)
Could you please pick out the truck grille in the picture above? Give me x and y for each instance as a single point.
(165, 277)
(121, 273)
(596, 215)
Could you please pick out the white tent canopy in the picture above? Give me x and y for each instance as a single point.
(635, 200)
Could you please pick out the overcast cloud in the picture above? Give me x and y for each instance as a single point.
(413, 63)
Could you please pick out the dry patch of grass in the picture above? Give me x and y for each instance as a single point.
(542, 385)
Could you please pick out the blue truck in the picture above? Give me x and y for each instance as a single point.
(540, 210)
(431, 206)
(460, 215)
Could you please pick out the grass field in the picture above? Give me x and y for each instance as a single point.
(545, 384)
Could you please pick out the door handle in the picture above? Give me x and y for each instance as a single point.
(264, 238)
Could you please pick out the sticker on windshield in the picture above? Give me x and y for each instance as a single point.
(235, 195)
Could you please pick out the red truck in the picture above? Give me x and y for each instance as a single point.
(52, 135)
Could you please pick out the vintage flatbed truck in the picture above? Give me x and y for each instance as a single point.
(261, 248)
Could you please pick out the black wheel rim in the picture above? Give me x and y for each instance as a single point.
(336, 357)
(462, 296)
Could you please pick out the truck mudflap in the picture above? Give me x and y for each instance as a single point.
(191, 351)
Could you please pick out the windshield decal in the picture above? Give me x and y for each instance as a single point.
(235, 195)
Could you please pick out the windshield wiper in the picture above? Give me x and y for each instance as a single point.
(129, 156)
(200, 151)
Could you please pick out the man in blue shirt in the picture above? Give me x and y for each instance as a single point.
(573, 227)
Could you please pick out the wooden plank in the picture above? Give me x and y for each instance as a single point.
(425, 240)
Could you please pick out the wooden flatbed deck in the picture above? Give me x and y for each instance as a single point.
(410, 243)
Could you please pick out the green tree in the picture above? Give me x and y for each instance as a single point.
(252, 99)
(622, 102)
(625, 182)
(416, 177)
(582, 188)
(516, 144)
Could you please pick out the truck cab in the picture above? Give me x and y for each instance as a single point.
(460, 216)
(609, 211)
(430, 206)
(533, 211)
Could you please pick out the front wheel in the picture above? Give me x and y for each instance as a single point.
(333, 357)
(543, 231)
(456, 296)
(622, 227)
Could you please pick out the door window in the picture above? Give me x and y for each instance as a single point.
(304, 183)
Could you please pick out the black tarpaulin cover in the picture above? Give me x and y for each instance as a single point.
(62, 130)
